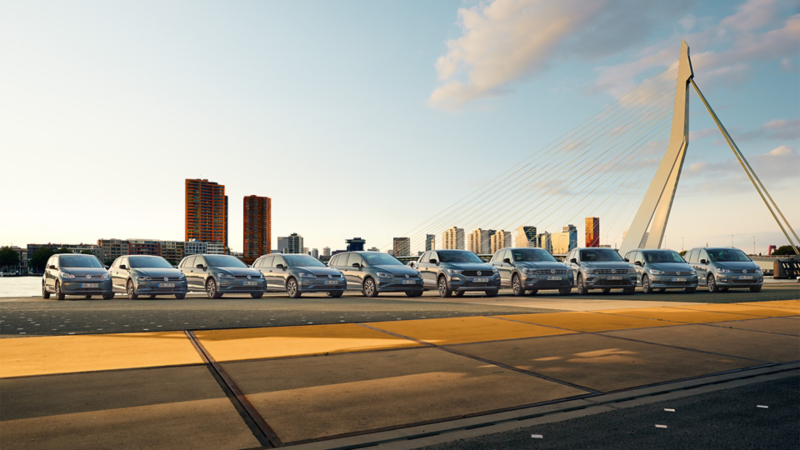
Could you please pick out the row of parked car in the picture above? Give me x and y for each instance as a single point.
(450, 272)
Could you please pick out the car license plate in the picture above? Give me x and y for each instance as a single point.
(554, 278)
(480, 280)
(331, 281)
(745, 277)
(409, 281)
(614, 277)
(166, 284)
(250, 283)
(90, 285)
(683, 280)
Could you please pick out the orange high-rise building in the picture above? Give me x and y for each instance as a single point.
(593, 232)
(257, 227)
(206, 211)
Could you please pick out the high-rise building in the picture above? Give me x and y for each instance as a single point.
(257, 227)
(172, 251)
(326, 251)
(560, 243)
(206, 212)
(430, 242)
(355, 245)
(401, 246)
(501, 239)
(226, 223)
(315, 253)
(453, 239)
(215, 248)
(573, 235)
(283, 244)
(480, 241)
(295, 244)
(526, 236)
(592, 231)
(545, 241)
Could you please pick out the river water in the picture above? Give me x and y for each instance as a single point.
(20, 286)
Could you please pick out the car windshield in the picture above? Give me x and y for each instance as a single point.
(600, 254)
(663, 256)
(302, 261)
(455, 256)
(148, 262)
(532, 255)
(380, 259)
(223, 261)
(727, 254)
(78, 261)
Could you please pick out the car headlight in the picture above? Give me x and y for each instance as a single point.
(527, 271)
(306, 275)
(181, 275)
(453, 271)
(721, 270)
(225, 275)
(67, 275)
(384, 275)
(693, 272)
(654, 272)
(105, 276)
(634, 270)
(591, 270)
(495, 271)
(758, 270)
(142, 277)
(417, 274)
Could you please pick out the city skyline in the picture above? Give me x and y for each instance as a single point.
(208, 114)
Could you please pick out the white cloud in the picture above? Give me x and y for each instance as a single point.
(783, 150)
(698, 166)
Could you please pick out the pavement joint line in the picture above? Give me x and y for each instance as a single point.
(124, 369)
(262, 432)
(419, 435)
(498, 364)
(683, 308)
(684, 323)
(587, 332)
(717, 325)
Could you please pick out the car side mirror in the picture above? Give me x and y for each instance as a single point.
(573, 261)
(200, 266)
(703, 261)
(507, 260)
(433, 261)
(123, 267)
(638, 263)
(279, 266)
(357, 265)
(626, 259)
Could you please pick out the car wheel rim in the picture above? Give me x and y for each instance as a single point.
(442, 287)
(292, 288)
(211, 288)
(369, 287)
(711, 283)
(646, 284)
(516, 285)
(130, 289)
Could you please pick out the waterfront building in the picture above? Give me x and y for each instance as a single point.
(501, 239)
(206, 212)
(144, 247)
(480, 241)
(326, 251)
(592, 232)
(112, 248)
(401, 246)
(295, 244)
(216, 248)
(526, 236)
(430, 242)
(195, 247)
(257, 227)
(355, 245)
(173, 251)
(545, 241)
(453, 239)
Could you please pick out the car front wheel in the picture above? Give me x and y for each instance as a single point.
(712, 284)
(132, 295)
(59, 293)
(211, 289)
(581, 286)
(369, 288)
(444, 291)
(516, 286)
(291, 288)
(45, 294)
(646, 288)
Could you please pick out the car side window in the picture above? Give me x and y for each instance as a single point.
(189, 263)
(425, 257)
(267, 261)
(639, 257)
(51, 262)
(693, 256)
(433, 255)
(278, 260)
(355, 258)
(703, 255)
(199, 260)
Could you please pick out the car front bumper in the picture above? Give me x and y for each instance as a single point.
(318, 285)
(734, 281)
(399, 284)
(239, 287)
(665, 282)
(155, 287)
(76, 287)
(541, 282)
(603, 282)
(460, 283)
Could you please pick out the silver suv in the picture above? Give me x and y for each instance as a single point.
(532, 270)
(662, 270)
(601, 268)
(722, 268)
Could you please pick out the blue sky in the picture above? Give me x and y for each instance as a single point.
(367, 118)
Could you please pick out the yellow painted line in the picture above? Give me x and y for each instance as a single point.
(65, 354)
(278, 342)
(776, 304)
(750, 310)
(588, 321)
(459, 330)
(676, 315)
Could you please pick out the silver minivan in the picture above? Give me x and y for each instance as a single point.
(662, 270)
(720, 269)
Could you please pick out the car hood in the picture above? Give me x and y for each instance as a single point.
(399, 270)
(607, 265)
(468, 266)
(542, 265)
(236, 271)
(670, 267)
(158, 273)
(737, 266)
(82, 272)
(318, 270)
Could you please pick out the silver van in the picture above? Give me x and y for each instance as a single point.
(662, 270)
(720, 269)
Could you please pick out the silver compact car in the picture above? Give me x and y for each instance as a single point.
(720, 269)
(662, 270)
(298, 274)
(375, 272)
(217, 275)
(531, 270)
(601, 268)
(75, 274)
(456, 272)
(137, 275)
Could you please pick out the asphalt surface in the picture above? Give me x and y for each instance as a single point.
(31, 316)
(723, 419)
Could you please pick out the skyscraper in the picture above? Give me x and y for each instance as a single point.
(545, 242)
(430, 242)
(526, 236)
(326, 251)
(401, 246)
(283, 244)
(257, 227)
(573, 235)
(206, 212)
(501, 239)
(295, 244)
(592, 231)
(453, 239)
(480, 241)
(355, 245)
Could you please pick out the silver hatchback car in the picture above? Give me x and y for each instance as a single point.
(601, 268)
(662, 270)
(722, 268)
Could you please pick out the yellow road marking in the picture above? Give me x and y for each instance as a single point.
(676, 315)
(588, 321)
(743, 309)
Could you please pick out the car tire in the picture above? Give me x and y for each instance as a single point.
(335, 294)
(256, 294)
(444, 290)
(711, 283)
(211, 289)
(292, 290)
(723, 289)
(413, 293)
(369, 289)
(565, 291)
(59, 293)
(108, 296)
(516, 286)
(459, 293)
(87, 297)
(691, 290)
(45, 294)
(533, 292)
(629, 290)
(662, 290)
(180, 296)
(131, 290)
(646, 287)
(755, 288)
(152, 297)
(581, 286)
(606, 291)
(492, 293)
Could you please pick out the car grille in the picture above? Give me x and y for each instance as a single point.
(240, 288)
(612, 283)
(474, 273)
(753, 281)
(334, 277)
(550, 272)
(613, 271)
(471, 284)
